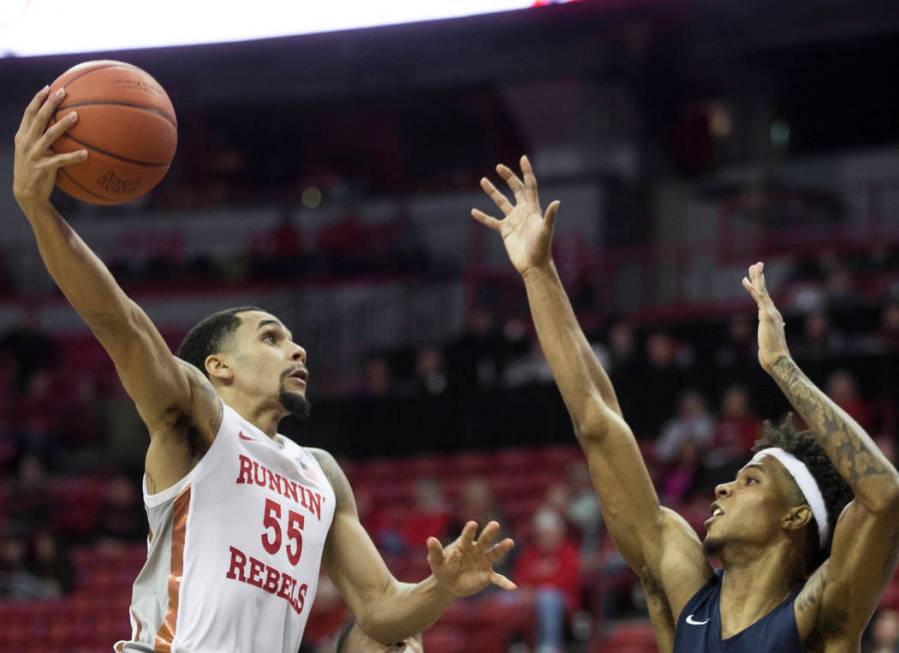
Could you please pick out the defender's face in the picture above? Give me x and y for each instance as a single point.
(747, 510)
(267, 362)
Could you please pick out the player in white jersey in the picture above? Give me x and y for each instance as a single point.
(240, 517)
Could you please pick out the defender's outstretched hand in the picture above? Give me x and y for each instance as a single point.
(35, 164)
(772, 337)
(466, 566)
(527, 231)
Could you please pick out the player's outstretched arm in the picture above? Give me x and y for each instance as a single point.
(656, 543)
(161, 388)
(386, 609)
(844, 591)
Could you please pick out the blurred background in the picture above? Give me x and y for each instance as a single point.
(328, 177)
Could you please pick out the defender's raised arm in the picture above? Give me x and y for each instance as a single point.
(659, 545)
(161, 387)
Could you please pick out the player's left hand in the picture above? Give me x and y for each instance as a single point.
(772, 337)
(465, 567)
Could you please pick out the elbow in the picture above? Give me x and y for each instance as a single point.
(887, 499)
(594, 425)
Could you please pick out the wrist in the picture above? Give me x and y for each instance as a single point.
(439, 590)
(544, 267)
(31, 206)
(780, 363)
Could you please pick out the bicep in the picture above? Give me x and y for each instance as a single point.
(351, 559)
(862, 560)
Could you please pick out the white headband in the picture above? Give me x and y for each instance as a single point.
(807, 485)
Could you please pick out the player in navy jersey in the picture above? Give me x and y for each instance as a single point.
(808, 530)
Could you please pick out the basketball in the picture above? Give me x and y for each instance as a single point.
(127, 124)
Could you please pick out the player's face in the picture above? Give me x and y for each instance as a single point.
(268, 363)
(747, 510)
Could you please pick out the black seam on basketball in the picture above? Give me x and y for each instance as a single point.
(145, 164)
(119, 103)
(120, 64)
(86, 190)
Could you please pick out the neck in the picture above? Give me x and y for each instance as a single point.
(263, 414)
(755, 582)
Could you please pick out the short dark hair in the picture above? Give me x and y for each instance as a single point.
(208, 336)
(836, 492)
(342, 635)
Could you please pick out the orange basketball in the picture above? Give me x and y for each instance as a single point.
(127, 124)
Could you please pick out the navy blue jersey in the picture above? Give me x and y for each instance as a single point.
(699, 626)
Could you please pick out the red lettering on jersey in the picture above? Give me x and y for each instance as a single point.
(291, 591)
(256, 567)
(272, 576)
(238, 560)
(246, 469)
(253, 473)
(300, 600)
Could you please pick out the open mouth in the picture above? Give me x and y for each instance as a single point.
(301, 374)
(716, 512)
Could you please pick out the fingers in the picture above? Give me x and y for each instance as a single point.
(497, 551)
(512, 179)
(32, 108)
(501, 581)
(549, 217)
(747, 284)
(56, 130)
(498, 198)
(488, 221)
(39, 124)
(468, 533)
(435, 551)
(62, 160)
(530, 181)
(488, 535)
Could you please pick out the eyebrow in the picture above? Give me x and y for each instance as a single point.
(264, 323)
(756, 465)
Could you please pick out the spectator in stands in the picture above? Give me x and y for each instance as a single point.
(120, 517)
(887, 338)
(843, 389)
(430, 517)
(277, 254)
(885, 632)
(30, 506)
(377, 380)
(36, 415)
(693, 424)
(733, 437)
(583, 506)
(625, 368)
(739, 349)
(31, 347)
(16, 582)
(661, 382)
(476, 357)
(548, 572)
(49, 562)
(531, 368)
(820, 340)
(430, 372)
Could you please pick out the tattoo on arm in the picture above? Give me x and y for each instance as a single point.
(343, 493)
(810, 596)
(852, 452)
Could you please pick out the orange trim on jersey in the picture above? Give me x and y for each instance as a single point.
(166, 632)
(120, 647)
(139, 626)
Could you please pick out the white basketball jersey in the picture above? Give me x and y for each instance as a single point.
(234, 549)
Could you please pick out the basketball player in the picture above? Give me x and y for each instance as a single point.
(808, 530)
(351, 639)
(240, 517)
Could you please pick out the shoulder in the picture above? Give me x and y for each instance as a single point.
(343, 492)
(207, 406)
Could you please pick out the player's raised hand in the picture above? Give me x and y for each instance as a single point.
(34, 173)
(526, 229)
(466, 566)
(772, 337)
